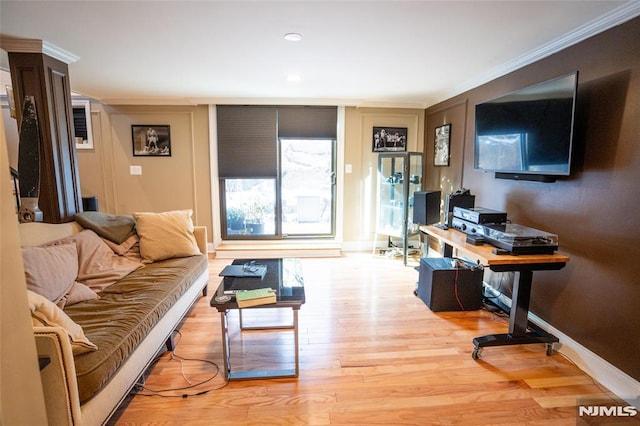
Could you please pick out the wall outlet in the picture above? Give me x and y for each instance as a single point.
(348, 168)
(135, 170)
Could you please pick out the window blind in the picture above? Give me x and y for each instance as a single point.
(247, 141)
(307, 122)
(247, 135)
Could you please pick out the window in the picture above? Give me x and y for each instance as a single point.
(277, 164)
(250, 206)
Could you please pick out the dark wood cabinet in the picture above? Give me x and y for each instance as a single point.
(47, 80)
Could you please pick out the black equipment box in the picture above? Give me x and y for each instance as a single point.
(467, 227)
(447, 284)
(460, 198)
(479, 215)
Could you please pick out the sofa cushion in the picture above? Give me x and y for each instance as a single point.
(124, 315)
(45, 313)
(51, 271)
(98, 265)
(166, 235)
(40, 233)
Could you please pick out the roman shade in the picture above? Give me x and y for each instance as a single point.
(312, 122)
(247, 141)
(248, 134)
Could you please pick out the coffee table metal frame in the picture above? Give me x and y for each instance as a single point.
(258, 374)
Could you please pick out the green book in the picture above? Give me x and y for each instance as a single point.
(257, 297)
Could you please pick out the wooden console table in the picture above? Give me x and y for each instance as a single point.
(523, 265)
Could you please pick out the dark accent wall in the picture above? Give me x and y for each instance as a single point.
(595, 299)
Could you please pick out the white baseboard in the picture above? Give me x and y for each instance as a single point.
(614, 379)
(276, 248)
(357, 246)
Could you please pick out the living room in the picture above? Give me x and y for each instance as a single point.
(590, 301)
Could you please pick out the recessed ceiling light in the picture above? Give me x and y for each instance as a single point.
(293, 36)
(294, 78)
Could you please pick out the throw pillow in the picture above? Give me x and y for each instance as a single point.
(116, 228)
(45, 313)
(79, 293)
(51, 271)
(166, 235)
(98, 265)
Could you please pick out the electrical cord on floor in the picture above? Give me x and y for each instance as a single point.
(455, 287)
(146, 391)
(497, 310)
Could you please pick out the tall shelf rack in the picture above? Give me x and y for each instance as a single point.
(399, 176)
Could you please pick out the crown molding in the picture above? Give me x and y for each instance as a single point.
(27, 45)
(358, 103)
(616, 17)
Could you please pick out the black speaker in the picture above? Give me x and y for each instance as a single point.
(426, 207)
(446, 284)
(90, 204)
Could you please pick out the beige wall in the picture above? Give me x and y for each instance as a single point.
(181, 181)
(21, 397)
(360, 187)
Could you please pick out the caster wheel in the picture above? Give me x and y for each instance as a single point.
(549, 349)
(476, 353)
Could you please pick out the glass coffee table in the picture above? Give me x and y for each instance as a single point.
(285, 277)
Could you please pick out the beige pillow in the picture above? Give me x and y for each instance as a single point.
(98, 265)
(166, 235)
(45, 313)
(50, 271)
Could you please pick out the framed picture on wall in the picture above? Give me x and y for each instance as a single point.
(151, 140)
(442, 145)
(387, 139)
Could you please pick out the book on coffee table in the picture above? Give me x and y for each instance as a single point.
(257, 297)
(241, 271)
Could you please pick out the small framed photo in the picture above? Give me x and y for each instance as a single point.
(442, 145)
(151, 140)
(387, 139)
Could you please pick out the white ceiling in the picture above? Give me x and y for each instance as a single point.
(366, 53)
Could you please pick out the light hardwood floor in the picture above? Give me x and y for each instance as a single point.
(370, 353)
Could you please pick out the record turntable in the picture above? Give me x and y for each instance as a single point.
(519, 239)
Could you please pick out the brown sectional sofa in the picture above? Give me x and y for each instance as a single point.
(130, 323)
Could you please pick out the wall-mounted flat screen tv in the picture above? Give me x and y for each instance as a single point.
(527, 134)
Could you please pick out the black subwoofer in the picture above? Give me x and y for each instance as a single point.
(446, 284)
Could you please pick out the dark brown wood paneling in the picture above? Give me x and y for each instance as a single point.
(594, 298)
